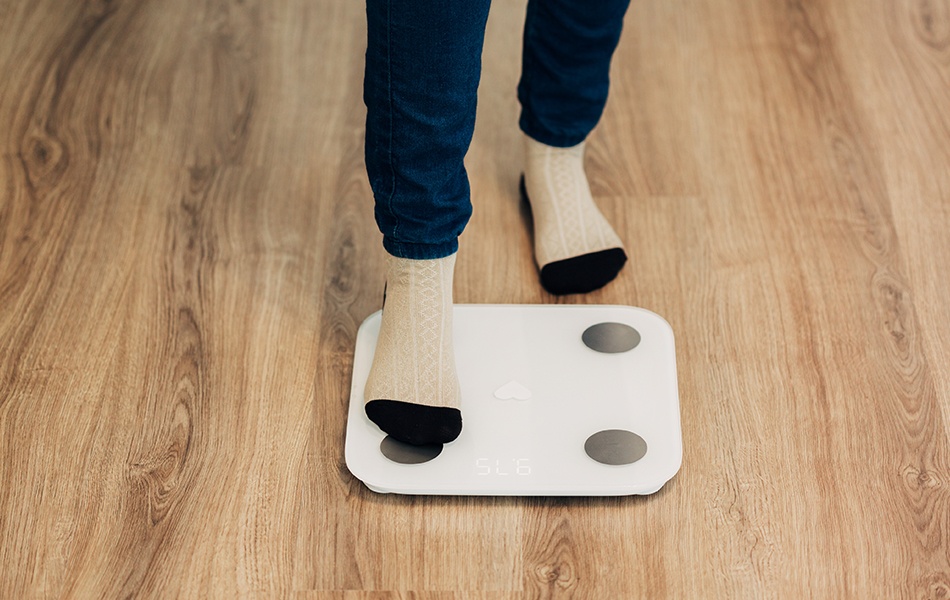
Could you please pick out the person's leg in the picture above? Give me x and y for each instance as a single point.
(568, 45)
(565, 74)
(423, 62)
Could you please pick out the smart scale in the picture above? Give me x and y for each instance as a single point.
(556, 401)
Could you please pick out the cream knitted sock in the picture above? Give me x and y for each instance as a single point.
(576, 248)
(413, 391)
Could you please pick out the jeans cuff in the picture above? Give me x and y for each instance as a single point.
(420, 251)
(539, 134)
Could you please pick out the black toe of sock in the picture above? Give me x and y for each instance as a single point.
(582, 274)
(415, 423)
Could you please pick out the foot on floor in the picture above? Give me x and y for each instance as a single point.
(575, 247)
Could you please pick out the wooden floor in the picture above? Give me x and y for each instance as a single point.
(187, 248)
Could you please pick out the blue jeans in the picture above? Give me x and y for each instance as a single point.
(423, 64)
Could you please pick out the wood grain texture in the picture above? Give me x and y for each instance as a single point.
(187, 248)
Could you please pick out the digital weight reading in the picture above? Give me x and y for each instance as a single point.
(503, 466)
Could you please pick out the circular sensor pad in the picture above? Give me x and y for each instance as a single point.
(611, 338)
(407, 454)
(615, 447)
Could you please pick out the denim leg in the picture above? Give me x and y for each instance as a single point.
(565, 67)
(423, 63)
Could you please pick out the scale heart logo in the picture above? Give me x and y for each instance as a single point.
(513, 391)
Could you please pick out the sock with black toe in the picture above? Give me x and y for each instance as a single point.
(412, 392)
(576, 248)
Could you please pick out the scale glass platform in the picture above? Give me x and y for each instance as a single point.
(556, 401)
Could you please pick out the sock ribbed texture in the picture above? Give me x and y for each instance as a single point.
(412, 392)
(576, 248)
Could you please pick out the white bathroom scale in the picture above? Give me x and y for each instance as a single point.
(556, 401)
